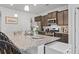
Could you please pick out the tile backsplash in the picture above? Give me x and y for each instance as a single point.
(63, 29)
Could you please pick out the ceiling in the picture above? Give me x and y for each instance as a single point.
(39, 8)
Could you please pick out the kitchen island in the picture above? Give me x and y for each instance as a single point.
(27, 41)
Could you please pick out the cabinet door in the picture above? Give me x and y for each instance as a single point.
(60, 18)
(54, 14)
(42, 20)
(38, 18)
(65, 38)
(45, 20)
(49, 15)
(66, 17)
(58, 35)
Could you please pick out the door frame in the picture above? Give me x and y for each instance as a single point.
(77, 30)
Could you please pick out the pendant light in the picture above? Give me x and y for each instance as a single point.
(11, 4)
(26, 7)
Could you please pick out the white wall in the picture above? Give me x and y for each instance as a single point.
(23, 20)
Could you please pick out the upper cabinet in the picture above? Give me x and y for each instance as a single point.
(38, 18)
(60, 18)
(50, 15)
(65, 17)
(44, 20)
(54, 14)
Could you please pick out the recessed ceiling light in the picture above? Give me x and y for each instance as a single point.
(26, 8)
(35, 4)
(15, 15)
(11, 4)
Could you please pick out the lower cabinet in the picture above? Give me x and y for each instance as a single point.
(64, 37)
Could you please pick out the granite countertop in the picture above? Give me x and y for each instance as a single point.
(61, 32)
(28, 41)
(33, 42)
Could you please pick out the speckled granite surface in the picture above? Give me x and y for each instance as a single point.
(26, 42)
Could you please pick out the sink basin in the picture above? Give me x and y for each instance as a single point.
(37, 37)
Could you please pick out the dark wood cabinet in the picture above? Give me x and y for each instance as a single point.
(60, 18)
(44, 20)
(38, 18)
(58, 35)
(65, 17)
(54, 14)
(63, 37)
(50, 15)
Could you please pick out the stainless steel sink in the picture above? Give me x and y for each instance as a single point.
(37, 37)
